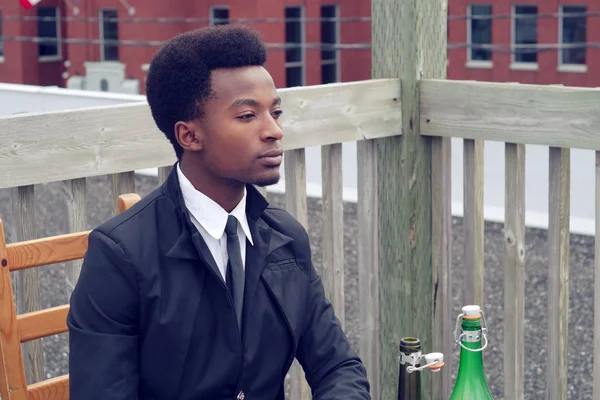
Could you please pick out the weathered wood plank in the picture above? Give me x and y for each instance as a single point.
(513, 113)
(596, 371)
(441, 240)
(113, 139)
(296, 204)
(75, 192)
(121, 183)
(163, 173)
(27, 283)
(368, 265)
(514, 272)
(409, 42)
(558, 273)
(333, 227)
(473, 222)
(11, 366)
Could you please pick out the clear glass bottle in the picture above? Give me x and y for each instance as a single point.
(471, 383)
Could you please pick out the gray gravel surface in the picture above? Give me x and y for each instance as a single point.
(50, 214)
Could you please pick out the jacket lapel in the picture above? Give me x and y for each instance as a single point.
(266, 240)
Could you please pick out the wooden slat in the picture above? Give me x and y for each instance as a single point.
(558, 274)
(514, 272)
(473, 222)
(296, 204)
(441, 241)
(409, 42)
(163, 173)
(596, 371)
(112, 139)
(45, 251)
(127, 200)
(11, 359)
(28, 297)
(333, 227)
(51, 389)
(295, 185)
(38, 324)
(515, 113)
(121, 183)
(368, 267)
(75, 191)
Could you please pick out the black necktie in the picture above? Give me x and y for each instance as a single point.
(235, 270)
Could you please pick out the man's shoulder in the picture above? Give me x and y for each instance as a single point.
(138, 218)
(285, 223)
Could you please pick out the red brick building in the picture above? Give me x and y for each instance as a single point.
(533, 41)
(85, 29)
(527, 41)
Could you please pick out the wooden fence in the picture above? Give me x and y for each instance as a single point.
(402, 121)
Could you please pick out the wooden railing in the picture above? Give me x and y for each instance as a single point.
(117, 140)
(554, 116)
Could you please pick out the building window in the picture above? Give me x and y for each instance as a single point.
(1, 41)
(524, 34)
(219, 16)
(109, 35)
(49, 33)
(572, 35)
(329, 39)
(479, 34)
(294, 52)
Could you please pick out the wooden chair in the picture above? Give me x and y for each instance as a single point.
(16, 329)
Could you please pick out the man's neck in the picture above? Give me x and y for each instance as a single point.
(225, 193)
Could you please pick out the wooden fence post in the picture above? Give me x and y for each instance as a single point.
(409, 42)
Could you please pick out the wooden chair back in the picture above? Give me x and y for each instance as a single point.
(16, 329)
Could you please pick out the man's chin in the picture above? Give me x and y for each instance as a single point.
(266, 181)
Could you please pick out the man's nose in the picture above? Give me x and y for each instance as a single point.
(273, 130)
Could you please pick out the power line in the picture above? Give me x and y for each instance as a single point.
(524, 48)
(593, 14)
(182, 20)
(156, 43)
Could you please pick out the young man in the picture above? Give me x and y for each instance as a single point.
(202, 290)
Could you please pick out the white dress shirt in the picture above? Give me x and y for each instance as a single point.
(210, 220)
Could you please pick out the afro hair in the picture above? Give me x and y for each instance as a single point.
(178, 80)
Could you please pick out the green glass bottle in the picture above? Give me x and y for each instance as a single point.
(471, 383)
(409, 383)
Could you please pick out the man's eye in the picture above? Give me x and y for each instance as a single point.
(277, 113)
(245, 116)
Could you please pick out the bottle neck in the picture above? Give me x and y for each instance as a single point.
(409, 384)
(471, 362)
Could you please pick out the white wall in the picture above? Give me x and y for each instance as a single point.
(23, 98)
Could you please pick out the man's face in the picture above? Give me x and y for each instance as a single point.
(241, 131)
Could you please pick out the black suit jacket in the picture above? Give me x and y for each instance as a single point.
(151, 317)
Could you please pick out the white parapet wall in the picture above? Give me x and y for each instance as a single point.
(26, 98)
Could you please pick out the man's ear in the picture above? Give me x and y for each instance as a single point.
(189, 135)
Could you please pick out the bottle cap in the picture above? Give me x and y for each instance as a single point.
(437, 359)
(471, 311)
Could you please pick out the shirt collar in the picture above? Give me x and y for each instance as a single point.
(208, 213)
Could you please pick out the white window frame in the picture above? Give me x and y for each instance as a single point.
(476, 63)
(336, 60)
(101, 29)
(211, 11)
(562, 67)
(301, 63)
(58, 55)
(1, 38)
(514, 65)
